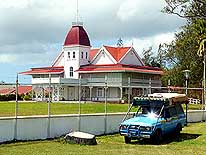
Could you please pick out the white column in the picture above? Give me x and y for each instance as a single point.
(121, 95)
(58, 92)
(90, 93)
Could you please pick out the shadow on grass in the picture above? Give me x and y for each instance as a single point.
(168, 139)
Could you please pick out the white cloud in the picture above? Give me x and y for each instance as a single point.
(10, 4)
(31, 28)
(7, 58)
(127, 10)
(154, 41)
(143, 9)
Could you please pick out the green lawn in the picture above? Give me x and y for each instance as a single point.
(39, 108)
(192, 141)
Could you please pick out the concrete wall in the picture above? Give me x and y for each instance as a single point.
(41, 127)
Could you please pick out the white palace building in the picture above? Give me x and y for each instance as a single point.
(81, 72)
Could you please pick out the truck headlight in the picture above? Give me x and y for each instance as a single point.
(145, 128)
(123, 127)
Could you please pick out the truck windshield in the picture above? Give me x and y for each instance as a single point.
(145, 110)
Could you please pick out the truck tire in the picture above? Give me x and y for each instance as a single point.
(127, 139)
(178, 129)
(157, 137)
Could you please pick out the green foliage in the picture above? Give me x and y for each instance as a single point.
(27, 97)
(10, 97)
(149, 58)
(182, 54)
(190, 9)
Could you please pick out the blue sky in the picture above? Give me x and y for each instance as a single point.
(33, 31)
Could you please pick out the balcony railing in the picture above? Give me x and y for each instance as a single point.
(114, 82)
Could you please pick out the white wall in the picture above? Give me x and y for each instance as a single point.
(103, 58)
(40, 127)
(7, 130)
(131, 59)
(75, 62)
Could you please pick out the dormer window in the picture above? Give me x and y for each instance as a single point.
(82, 55)
(73, 55)
(69, 55)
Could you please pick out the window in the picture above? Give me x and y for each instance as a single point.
(103, 53)
(71, 72)
(86, 55)
(82, 55)
(179, 109)
(172, 111)
(69, 55)
(73, 54)
(100, 92)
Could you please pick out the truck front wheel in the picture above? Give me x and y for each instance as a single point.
(157, 137)
(127, 139)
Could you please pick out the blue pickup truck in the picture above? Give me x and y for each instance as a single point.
(157, 115)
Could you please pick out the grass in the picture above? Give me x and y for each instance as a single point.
(192, 141)
(40, 108)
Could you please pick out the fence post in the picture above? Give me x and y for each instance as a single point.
(105, 105)
(49, 108)
(79, 118)
(16, 109)
(129, 91)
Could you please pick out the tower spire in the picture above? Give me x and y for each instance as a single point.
(77, 22)
(77, 18)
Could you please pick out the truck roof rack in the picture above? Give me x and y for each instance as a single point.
(160, 99)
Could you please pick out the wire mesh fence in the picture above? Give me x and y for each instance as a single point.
(27, 106)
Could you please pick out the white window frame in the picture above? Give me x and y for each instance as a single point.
(100, 92)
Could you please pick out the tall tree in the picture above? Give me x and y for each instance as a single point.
(182, 53)
(190, 9)
(147, 56)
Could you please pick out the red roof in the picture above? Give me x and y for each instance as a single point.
(5, 91)
(24, 89)
(77, 36)
(117, 52)
(21, 90)
(45, 70)
(119, 68)
(92, 53)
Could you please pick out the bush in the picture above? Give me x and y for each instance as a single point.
(10, 97)
(27, 97)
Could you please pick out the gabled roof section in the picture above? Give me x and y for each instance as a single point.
(117, 52)
(92, 53)
(58, 59)
(131, 58)
(44, 70)
(6, 91)
(21, 90)
(24, 89)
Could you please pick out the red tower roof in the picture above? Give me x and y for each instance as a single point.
(77, 36)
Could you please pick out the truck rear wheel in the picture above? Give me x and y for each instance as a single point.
(178, 130)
